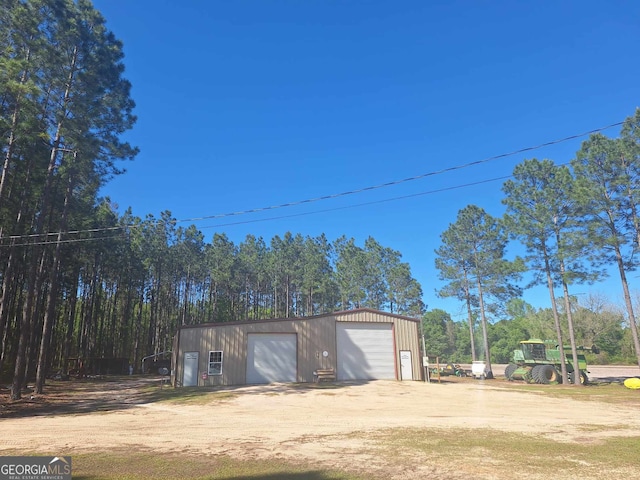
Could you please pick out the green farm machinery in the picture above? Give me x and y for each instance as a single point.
(538, 361)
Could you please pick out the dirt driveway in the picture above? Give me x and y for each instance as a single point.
(315, 424)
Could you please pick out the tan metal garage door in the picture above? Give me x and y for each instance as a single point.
(365, 351)
(271, 357)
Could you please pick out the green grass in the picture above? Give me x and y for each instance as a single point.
(478, 453)
(206, 395)
(186, 395)
(609, 393)
(531, 456)
(153, 466)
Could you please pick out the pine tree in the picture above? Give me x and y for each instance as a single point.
(472, 256)
(543, 214)
(604, 187)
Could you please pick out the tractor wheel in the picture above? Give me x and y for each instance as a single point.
(533, 375)
(527, 376)
(545, 374)
(508, 371)
(583, 378)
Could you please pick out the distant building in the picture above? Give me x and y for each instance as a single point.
(362, 344)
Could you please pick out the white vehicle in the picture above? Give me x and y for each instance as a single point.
(478, 369)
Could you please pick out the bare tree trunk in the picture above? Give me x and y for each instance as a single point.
(274, 313)
(628, 303)
(91, 312)
(254, 300)
(12, 133)
(71, 315)
(21, 357)
(154, 309)
(8, 283)
(467, 292)
(572, 336)
(52, 294)
(216, 299)
(137, 331)
(124, 344)
(26, 328)
(623, 278)
(187, 287)
(556, 317)
(112, 308)
(485, 334)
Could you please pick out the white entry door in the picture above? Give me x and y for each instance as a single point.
(190, 369)
(406, 366)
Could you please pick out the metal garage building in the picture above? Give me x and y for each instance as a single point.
(362, 344)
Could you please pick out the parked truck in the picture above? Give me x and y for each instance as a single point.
(539, 361)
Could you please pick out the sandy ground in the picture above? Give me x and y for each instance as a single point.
(330, 426)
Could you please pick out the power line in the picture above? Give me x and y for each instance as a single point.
(280, 217)
(317, 199)
(65, 241)
(405, 180)
(386, 200)
(70, 232)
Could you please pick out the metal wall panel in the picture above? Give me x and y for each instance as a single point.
(407, 337)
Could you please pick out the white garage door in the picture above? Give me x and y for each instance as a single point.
(365, 351)
(271, 357)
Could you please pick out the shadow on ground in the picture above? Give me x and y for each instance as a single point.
(311, 475)
(286, 476)
(111, 393)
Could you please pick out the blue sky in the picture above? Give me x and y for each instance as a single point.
(250, 104)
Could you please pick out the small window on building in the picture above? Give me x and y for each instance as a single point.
(215, 363)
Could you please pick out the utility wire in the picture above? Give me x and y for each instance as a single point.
(70, 232)
(316, 199)
(404, 180)
(303, 214)
(68, 240)
(403, 197)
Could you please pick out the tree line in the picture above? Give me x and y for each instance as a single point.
(597, 322)
(575, 221)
